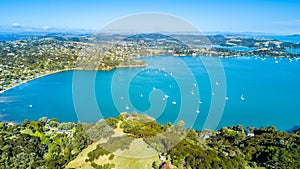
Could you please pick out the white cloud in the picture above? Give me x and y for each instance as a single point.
(17, 24)
(45, 27)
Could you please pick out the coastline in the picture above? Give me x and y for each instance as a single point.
(67, 69)
(25, 81)
(112, 68)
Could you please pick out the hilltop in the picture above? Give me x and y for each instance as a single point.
(138, 141)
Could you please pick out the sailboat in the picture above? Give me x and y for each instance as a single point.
(174, 102)
(242, 97)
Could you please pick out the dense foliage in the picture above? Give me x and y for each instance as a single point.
(50, 144)
(37, 145)
(232, 148)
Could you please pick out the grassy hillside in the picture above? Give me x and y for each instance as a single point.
(137, 141)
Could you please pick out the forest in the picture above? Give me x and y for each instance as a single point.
(48, 143)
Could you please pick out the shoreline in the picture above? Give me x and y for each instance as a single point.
(28, 80)
(120, 66)
(67, 69)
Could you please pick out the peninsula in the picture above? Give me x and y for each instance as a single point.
(31, 56)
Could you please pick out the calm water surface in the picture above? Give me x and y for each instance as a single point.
(260, 92)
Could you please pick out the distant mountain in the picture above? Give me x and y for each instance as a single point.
(295, 35)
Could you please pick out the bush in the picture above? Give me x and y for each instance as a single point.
(112, 122)
(99, 151)
(111, 157)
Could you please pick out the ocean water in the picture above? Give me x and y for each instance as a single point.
(285, 38)
(206, 93)
(293, 51)
(234, 48)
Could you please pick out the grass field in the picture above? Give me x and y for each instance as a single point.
(79, 161)
(138, 156)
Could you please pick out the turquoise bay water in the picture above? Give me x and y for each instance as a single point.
(234, 48)
(294, 51)
(285, 38)
(260, 92)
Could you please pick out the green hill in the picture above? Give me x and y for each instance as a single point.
(138, 141)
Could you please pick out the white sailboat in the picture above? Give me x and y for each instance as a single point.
(174, 102)
(242, 97)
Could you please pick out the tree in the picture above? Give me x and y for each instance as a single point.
(42, 121)
(155, 165)
(25, 122)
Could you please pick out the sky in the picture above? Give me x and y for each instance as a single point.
(268, 16)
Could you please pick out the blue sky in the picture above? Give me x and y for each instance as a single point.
(272, 16)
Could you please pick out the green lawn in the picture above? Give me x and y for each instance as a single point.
(136, 157)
